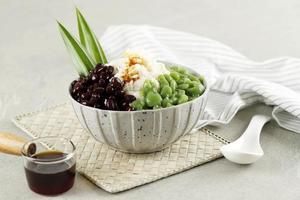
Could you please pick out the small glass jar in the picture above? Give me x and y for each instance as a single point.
(50, 165)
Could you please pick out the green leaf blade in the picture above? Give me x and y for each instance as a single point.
(89, 40)
(82, 61)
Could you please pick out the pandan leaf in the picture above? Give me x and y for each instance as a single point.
(89, 40)
(81, 59)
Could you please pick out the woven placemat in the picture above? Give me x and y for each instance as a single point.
(115, 171)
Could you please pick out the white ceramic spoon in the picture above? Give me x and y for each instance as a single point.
(246, 149)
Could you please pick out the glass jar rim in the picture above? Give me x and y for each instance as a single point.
(47, 161)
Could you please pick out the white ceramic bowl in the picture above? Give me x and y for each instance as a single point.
(141, 131)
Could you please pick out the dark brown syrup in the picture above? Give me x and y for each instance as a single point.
(49, 177)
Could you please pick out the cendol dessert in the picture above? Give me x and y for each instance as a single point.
(135, 81)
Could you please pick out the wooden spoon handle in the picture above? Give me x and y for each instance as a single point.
(11, 143)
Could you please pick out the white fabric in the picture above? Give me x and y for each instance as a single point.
(234, 80)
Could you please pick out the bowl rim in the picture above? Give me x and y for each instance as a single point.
(148, 110)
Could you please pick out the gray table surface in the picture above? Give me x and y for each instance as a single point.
(35, 72)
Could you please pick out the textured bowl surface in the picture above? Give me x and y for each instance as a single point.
(141, 131)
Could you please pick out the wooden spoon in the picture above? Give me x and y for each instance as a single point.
(12, 144)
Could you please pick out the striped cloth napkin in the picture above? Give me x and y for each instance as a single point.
(234, 80)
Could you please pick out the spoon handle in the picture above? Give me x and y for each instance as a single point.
(254, 128)
(11, 143)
